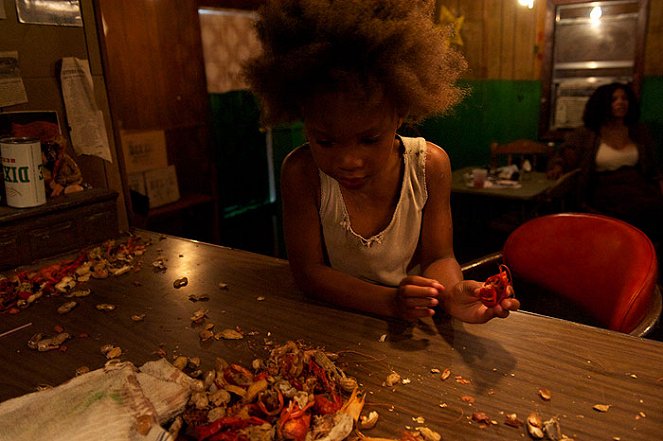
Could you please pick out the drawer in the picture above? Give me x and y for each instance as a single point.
(99, 224)
(64, 224)
(54, 239)
(9, 251)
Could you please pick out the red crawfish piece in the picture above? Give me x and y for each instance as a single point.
(237, 375)
(324, 405)
(497, 288)
(294, 422)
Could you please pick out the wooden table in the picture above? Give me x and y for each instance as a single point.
(533, 185)
(505, 361)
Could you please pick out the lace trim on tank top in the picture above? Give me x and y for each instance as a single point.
(377, 238)
(347, 225)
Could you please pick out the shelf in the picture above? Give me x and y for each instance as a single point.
(10, 215)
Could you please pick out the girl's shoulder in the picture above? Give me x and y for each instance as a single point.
(299, 164)
(437, 160)
(298, 153)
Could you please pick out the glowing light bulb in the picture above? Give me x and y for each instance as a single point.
(595, 16)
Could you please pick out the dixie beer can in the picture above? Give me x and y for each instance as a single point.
(22, 172)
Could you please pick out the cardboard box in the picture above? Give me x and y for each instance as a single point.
(161, 186)
(137, 183)
(144, 150)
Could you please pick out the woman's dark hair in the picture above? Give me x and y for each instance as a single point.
(365, 47)
(598, 109)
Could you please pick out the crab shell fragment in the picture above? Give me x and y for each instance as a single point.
(497, 288)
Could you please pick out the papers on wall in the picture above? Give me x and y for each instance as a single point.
(86, 121)
(12, 90)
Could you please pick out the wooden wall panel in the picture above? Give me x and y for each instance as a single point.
(654, 40)
(503, 40)
(509, 32)
(153, 61)
(492, 38)
(154, 56)
(473, 37)
(524, 42)
(499, 38)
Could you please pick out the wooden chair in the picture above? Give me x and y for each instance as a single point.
(556, 199)
(518, 151)
(586, 268)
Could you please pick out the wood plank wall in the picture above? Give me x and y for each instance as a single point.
(503, 40)
(654, 40)
(155, 74)
(155, 65)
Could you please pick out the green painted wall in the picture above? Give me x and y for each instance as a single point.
(494, 110)
(501, 110)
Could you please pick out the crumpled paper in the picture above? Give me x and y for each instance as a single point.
(118, 402)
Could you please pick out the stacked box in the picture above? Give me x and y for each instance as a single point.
(146, 162)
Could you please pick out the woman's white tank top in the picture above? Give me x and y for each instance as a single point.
(609, 159)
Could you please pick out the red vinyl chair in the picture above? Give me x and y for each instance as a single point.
(584, 267)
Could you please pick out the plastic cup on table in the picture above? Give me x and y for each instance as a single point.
(479, 176)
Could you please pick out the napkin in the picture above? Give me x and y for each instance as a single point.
(117, 402)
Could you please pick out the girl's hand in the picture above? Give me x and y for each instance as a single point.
(462, 302)
(417, 296)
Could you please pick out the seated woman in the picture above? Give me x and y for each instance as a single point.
(615, 154)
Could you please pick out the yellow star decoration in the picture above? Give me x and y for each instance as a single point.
(446, 18)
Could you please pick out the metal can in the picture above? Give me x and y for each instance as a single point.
(22, 172)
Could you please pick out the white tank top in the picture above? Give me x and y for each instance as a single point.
(609, 159)
(385, 257)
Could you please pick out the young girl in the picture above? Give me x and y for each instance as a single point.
(366, 212)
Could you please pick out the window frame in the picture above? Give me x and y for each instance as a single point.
(546, 132)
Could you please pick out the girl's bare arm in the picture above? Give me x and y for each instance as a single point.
(301, 222)
(437, 256)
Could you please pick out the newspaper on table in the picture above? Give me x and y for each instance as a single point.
(117, 402)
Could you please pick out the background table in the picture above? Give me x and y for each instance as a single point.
(484, 217)
(505, 361)
(532, 185)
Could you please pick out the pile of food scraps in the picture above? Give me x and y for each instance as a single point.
(296, 394)
(22, 288)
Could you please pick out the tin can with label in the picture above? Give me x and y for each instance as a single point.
(22, 172)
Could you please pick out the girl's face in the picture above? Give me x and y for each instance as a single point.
(351, 140)
(619, 103)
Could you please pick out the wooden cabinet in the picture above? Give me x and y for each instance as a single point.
(63, 224)
(155, 76)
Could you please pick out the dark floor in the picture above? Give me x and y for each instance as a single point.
(656, 333)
